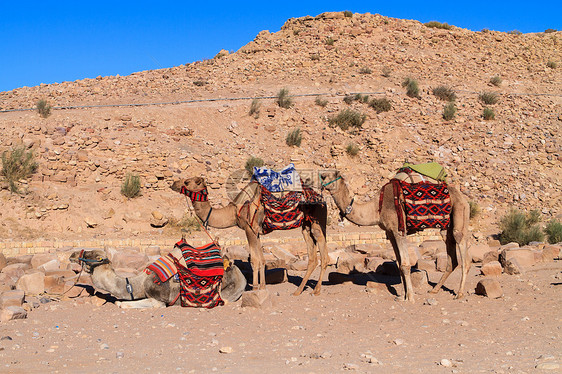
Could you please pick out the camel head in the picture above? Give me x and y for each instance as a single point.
(89, 259)
(191, 184)
(328, 179)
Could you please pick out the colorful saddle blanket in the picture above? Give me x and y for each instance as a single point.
(285, 180)
(200, 280)
(164, 267)
(281, 213)
(426, 205)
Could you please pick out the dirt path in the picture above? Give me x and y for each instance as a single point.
(345, 328)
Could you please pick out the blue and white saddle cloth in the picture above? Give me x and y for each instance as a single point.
(285, 180)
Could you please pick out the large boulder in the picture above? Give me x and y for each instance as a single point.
(32, 283)
(492, 269)
(15, 271)
(129, 259)
(478, 251)
(11, 298)
(517, 258)
(12, 312)
(42, 258)
(432, 247)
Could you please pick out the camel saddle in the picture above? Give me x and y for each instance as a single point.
(424, 198)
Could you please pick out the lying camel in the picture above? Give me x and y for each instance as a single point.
(147, 293)
(367, 214)
(249, 217)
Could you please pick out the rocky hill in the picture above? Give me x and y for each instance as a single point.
(198, 123)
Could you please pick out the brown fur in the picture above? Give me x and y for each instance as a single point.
(367, 214)
(249, 217)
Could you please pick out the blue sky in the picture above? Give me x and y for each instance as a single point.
(47, 42)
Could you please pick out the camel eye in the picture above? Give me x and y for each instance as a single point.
(100, 258)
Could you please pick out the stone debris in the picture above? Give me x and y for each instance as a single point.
(489, 287)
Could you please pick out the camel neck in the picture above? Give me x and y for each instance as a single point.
(105, 278)
(221, 217)
(360, 213)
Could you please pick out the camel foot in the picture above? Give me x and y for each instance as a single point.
(403, 299)
(435, 290)
(316, 292)
(297, 292)
(459, 296)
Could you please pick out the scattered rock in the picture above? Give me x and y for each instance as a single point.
(257, 299)
(489, 287)
(492, 269)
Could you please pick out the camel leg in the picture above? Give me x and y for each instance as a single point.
(322, 248)
(255, 258)
(452, 260)
(140, 304)
(400, 245)
(312, 259)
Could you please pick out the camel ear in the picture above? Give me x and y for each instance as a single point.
(198, 180)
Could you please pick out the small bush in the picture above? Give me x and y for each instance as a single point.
(283, 99)
(551, 64)
(488, 98)
(329, 41)
(251, 162)
(17, 164)
(294, 138)
(444, 93)
(362, 98)
(514, 32)
(199, 83)
(474, 209)
(348, 13)
(255, 108)
(485, 30)
(488, 114)
(553, 231)
(365, 70)
(321, 101)
(521, 228)
(412, 88)
(385, 72)
(43, 108)
(315, 57)
(187, 223)
(352, 149)
(131, 186)
(496, 80)
(438, 25)
(449, 111)
(348, 118)
(549, 31)
(348, 99)
(381, 105)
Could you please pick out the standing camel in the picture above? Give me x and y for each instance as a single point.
(367, 214)
(247, 213)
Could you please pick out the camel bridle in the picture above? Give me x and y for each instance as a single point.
(349, 208)
(91, 264)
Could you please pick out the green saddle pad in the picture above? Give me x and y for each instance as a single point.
(431, 169)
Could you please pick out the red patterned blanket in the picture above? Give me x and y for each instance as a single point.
(426, 205)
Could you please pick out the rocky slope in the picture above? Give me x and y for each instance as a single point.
(84, 153)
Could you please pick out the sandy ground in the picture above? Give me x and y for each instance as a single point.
(345, 328)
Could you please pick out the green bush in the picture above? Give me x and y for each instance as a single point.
(17, 164)
(199, 83)
(488, 98)
(412, 88)
(321, 101)
(551, 64)
(352, 149)
(474, 209)
(255, 108)
(251, 162)
(283, 99)
(348, 118)
(438, 25)
(315, 57)
(496, 81)
(385, 72)
(329, 41)
(381, 105)
(488, 114)
(515, 32)
(294, 138)
(444, 93)
(131, 186)
(549, 31)
(348, 99)
(348, 13)
(553, 231)
(449, 111)
(520, 227)
(187, 223)
(43, 108)
(362, 98)
(365, 70)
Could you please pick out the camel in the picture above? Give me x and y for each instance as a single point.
(367, 214)
(146, 292)
(248, 214)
